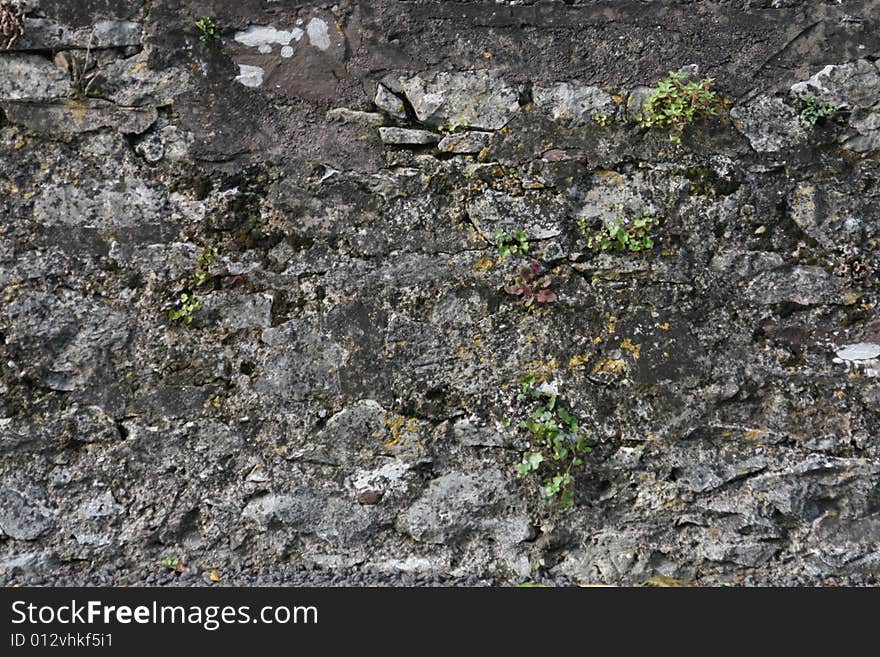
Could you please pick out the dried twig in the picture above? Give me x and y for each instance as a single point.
(11, 22)
(80, 78)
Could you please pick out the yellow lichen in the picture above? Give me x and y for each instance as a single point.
(609, 366)
(634, 349)
(483, 264)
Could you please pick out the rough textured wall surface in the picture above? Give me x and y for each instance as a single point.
(336, 406)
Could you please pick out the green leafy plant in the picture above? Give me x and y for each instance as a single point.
(624, 234)
(170, 563)
(533, 285)
(205, 260)
(186, 308)
(557, 443)
(208, 28)
(675, 104)
(517, 245)
(601, 119)
(814, 112)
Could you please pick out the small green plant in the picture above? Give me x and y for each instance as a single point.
(814, 112)
(186, 308)
(205, 260)
(532, 284)
(557, 443)
(675, 104)
(169, 562)
(516, 245)
(601, 119)
(624, 234)
(208, 28)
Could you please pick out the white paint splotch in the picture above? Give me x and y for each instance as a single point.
(264, 37)
(864, 356)
(250, 76)
(319, 33)
(859, 351)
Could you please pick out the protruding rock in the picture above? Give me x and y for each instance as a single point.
(465, 142)
(476, 99)
(389, 103)
(345, 115)
(769, 124)
(458, 505)
(572, 102)
(407, 137)
(31, 78)
(852, 85)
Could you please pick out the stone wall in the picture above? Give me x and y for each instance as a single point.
(327, 182)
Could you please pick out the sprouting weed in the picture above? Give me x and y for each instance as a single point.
(675, 104)
(557, 446)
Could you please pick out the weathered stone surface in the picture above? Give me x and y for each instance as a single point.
(345, 115)
(540, 215)
(48, 34)
(806, 286)
(572, 102)
(389, 103)
(22, 518)
(345, 396)
(852, 85)
(454, 507)
(32, 78)
(407, 137)
(769, 124)
(469, 142)
(474, 99)
(78, 117)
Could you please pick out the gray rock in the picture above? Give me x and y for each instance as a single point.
(473, 99)
(867, 125)
(297, 511)
(828, 214)
(302, 363)
(465, 142)
(769, 124)
(237, 311)
(91, 425)
(130, 82)
(339, 523)
(540, 216)
(407, 137)
(31, 78)
(459, 506)
(852, 85)
(48, 34)
(22, 518)
(345, 115)
(744, 265)
(805, 286)
(859, 351)
(389, 103)
(88, 116)
(473, 434)
(572, 102)
(102, 505)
